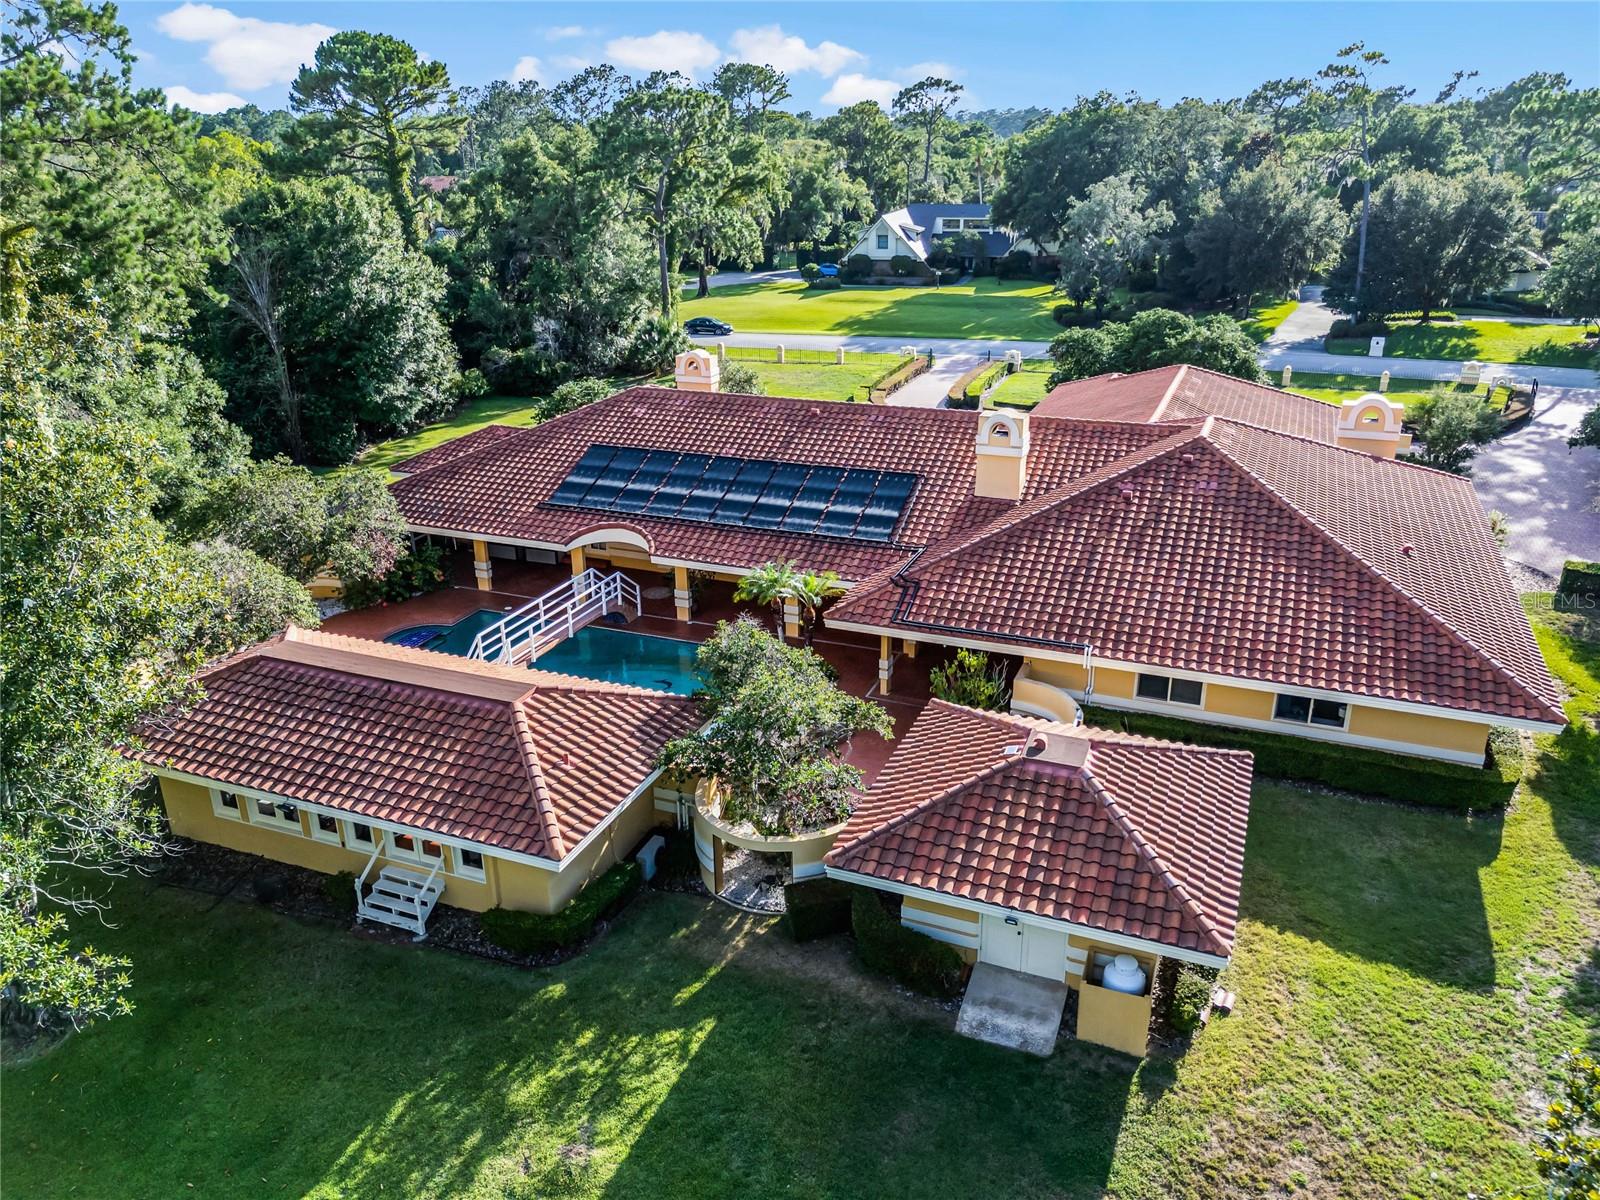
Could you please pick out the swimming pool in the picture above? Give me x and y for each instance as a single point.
(593, 652)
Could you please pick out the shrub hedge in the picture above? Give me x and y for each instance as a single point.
(913, 959)
(340, 889)
(1348, 768)
(815, 908)
(1579, 587)
(1344, 327)
(1191, 992)
(1438, 314)
(896, 377)
(534, 933)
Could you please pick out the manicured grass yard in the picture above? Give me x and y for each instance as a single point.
(823, 379)
(1026, 387)
(980, 308)
(1336, 389)
(1266, 316)
(1405, 980)
(490, 410)
(1486, 341)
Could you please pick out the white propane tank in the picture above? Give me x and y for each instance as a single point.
(1124, 974)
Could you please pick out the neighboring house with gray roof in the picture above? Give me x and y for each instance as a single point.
(914, 230)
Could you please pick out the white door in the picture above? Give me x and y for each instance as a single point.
(1034, 949)
(1000, 943)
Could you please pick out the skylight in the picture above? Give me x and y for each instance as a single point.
(750, 493)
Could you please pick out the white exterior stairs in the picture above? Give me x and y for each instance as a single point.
(399, 897)
(519, 637)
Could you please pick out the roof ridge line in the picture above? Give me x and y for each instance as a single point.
(1045, 501)
(1372, 569)
(1152, 856)
(917, 810)
(1178, 377)
(542, 802)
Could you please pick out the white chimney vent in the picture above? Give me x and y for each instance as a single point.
(696, 371)
(1002, 452)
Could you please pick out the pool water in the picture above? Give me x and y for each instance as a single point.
(622, 656)
(593, 652)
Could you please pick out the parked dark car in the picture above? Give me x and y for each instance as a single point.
(707, 325)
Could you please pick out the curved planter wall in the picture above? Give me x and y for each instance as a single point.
(805, 850)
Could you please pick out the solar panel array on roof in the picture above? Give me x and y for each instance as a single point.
(755, 493)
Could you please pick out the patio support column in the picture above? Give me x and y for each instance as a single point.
(791, 619)
(909, 647)
(716, 864)
(682, 597)
(481, 567)
(885, 662)
(579, 563)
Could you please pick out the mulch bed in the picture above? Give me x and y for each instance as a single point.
(303, 894)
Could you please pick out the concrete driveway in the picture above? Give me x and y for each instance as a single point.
(731, 278)
(1549, 494)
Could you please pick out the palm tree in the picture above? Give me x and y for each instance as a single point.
(771, 583)
(811, 591)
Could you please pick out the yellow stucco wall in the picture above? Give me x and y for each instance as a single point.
(1110, 682)
(1058, 674)
(947, 911)
(1238, 702)
(508, 884)
(1416, 729)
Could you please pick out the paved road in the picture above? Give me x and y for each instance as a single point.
(730, 278)
(1550, 494)
(972, 347)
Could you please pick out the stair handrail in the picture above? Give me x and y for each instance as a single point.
(361, 880)
(422, 917)
(584, 595)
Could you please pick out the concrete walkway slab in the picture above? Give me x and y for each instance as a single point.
(1012, 1009)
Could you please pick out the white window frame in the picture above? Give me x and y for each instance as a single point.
(1311, 708)
(1167, 699)
(882, 241)
(355, 843)
(394, 851)
(318, 833)
(235, 813)
(458, 868)
(275, 819)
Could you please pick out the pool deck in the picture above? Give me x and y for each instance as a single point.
(855, 656)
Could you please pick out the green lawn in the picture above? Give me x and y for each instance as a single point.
(980, 308)
(1405, 978)
(1486, 341)
(1336, 389)
(823, 379)
(490, 410)
(1266, 316)
(1026, 387)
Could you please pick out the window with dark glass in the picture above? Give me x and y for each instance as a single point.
(229, 800)
(1163, 687)
(1304, 710)
(471, 860)
(363, 832)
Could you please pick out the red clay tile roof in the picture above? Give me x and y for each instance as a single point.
(1231, 550)
(1190, 394)
(455, 448)
(496, 488)
(1142, 837)
(526, 761)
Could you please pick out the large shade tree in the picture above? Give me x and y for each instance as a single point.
(924, 106)
(330, 332)
(776, 732)
(1433, 239)
(370, 104)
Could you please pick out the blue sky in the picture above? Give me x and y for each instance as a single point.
(212, 55)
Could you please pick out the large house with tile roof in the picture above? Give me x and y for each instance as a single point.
(1177, 542)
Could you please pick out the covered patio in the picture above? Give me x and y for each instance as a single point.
(854, 656)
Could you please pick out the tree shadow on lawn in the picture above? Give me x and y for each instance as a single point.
(1378, 881)
(271, 1057)
(1435, 341)
(856, 1093)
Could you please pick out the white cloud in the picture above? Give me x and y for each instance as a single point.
(664, 50)
(528, 69)
(201, 102)
(247, 52)
(557, 33)
(770, 45)
(853, 88)
(922, 70)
